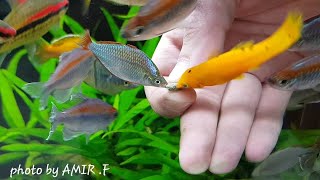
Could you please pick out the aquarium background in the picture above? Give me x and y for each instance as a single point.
(140, 144)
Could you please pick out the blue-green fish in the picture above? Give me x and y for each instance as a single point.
(126, 62)
(88, 117)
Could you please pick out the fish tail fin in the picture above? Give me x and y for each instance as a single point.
(86, 40)
(62, 95)
(38, 90)
(40, 54)
(54, 124)
(34, 89)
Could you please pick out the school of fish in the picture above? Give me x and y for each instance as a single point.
(111, 67)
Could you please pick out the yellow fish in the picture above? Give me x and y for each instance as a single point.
(244, 57)
(45, 51)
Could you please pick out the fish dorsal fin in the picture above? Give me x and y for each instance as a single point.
(132, 46)
(86, 40)
(15, 3)
(243, 45)
(113, 42)
(109, 42)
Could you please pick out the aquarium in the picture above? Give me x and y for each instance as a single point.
(88, 90)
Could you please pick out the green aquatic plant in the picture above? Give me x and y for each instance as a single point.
(139, 144)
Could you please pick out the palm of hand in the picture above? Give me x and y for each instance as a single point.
(218, 123)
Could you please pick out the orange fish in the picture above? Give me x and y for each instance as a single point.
(244, 57)
(156, 18)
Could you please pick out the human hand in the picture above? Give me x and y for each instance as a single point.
(218, 123)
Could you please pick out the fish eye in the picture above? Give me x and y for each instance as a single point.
(157, 81)
(138, 30)
(283, 82)
(126, 83)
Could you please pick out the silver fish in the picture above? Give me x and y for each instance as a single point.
(73, 68)
(310, 37)
(101, 79)
(156, 18)
(305, 74)
(88, 117)
(300, 98)
(280, 161)
(126, 62)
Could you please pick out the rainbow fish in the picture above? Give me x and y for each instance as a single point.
(156, 18)
(304, 74)
(88, 117)
(73, 68)
(126, 62)
(31, 19)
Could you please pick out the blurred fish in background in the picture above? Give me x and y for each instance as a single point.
(88, 117)
(101, 79)
(45, 50)
(300, 162)
(304, 74)
(156, 18)
(31, 20)
(73, 68)
(301, 98)
(310, 38)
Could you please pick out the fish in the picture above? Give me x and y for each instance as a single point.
(304, 74)
(301, 98)
(88, 117)
(104, 81)
(156, 18)
(310, 38)
(126, 62)
(6, 31)
(243, 57)
(280, 161)
(73, 68)
(45, 50)
(31, 20)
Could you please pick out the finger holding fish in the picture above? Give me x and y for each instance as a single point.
(244, 57)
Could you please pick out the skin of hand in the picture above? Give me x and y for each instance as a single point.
(219, 123)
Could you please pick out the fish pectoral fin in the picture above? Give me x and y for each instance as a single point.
(31, 49)
(243, 45)
(62, 95)
(68, 134)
